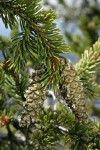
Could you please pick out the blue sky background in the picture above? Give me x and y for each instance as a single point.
(3, 30)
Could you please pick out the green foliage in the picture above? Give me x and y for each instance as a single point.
(37, 43)
(87, 68)
(38, 32)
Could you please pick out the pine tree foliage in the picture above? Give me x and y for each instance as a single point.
(39, 28)
(38, 44)
(87, 68)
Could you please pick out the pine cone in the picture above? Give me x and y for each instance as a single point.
(34, 100)
(72, 89)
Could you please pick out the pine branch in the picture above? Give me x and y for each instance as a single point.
(87, 68)
(41, 32)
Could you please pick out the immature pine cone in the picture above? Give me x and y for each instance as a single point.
(72, 90)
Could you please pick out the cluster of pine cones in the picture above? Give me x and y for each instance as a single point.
(71, 91)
